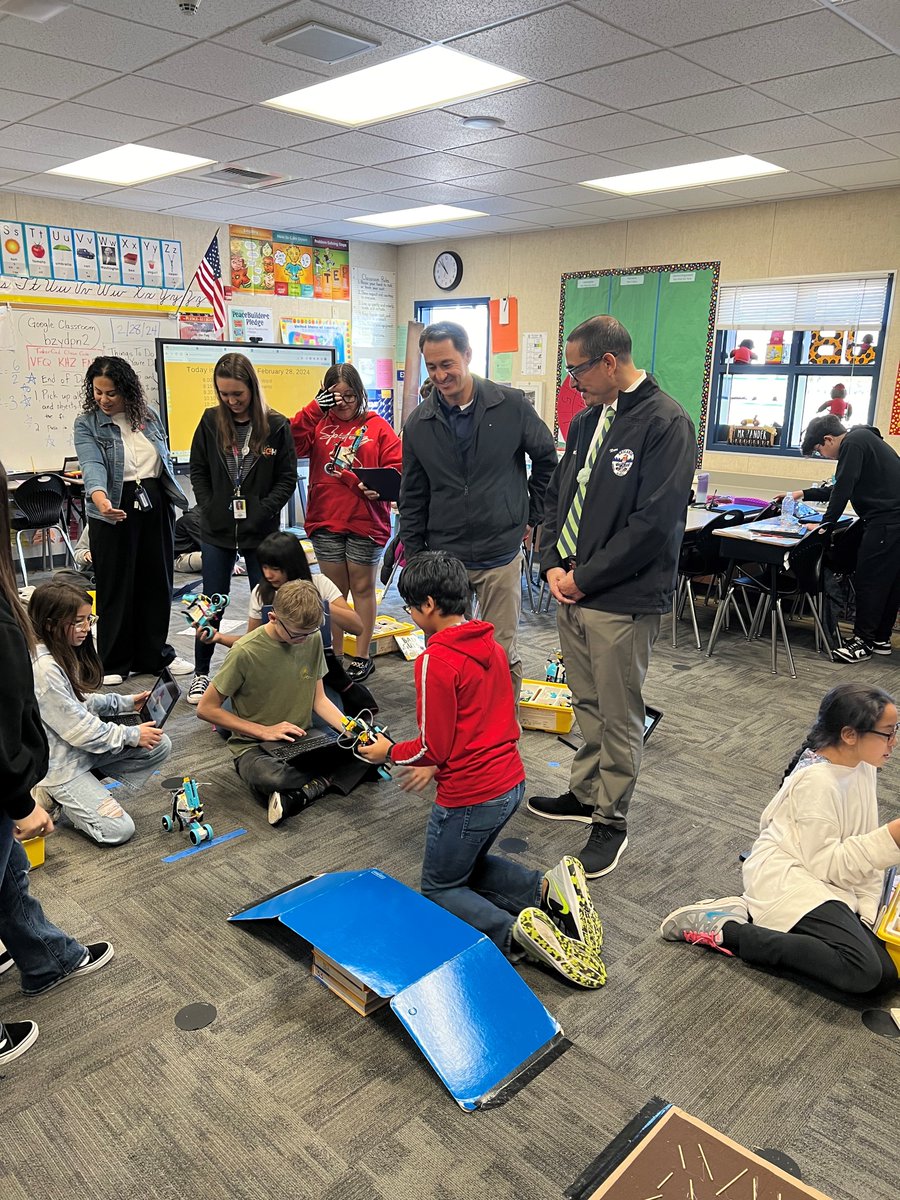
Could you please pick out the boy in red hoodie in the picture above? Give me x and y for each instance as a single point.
(468, 736)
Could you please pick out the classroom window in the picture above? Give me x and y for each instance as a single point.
(473, 315)
(772, 375)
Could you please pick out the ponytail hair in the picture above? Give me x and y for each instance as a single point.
(856, 706)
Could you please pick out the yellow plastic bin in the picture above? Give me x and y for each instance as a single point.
(383, 637)
(545, 706)
(34, 848)
(888, 928)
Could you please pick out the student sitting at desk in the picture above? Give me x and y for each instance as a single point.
(273, 677)
(813, 880)
(66, 670)
(468, 735)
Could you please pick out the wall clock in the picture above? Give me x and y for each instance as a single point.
(447, 270)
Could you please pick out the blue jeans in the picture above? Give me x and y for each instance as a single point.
(459, 874)
(42, 952)
(218, 563)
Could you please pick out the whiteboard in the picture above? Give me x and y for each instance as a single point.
(43, 357)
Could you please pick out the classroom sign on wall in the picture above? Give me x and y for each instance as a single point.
(276, 262)
(59, 252)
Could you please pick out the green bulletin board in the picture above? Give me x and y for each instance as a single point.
(670, 313)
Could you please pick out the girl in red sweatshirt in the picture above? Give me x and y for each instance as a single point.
(348, 524)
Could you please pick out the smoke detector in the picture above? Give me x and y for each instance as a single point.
(483, 123)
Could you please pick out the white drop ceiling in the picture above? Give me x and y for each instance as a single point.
(616, 85)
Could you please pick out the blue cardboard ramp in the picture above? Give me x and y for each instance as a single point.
(477, 1022)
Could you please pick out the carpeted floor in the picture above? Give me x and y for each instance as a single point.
(290, 1094)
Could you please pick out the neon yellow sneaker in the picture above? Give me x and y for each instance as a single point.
(569, 903)
(542, 941)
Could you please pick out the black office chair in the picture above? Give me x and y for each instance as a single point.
(39, 500)
(699, 558)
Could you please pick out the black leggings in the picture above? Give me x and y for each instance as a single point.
(829, 945)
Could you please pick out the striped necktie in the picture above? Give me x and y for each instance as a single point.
(568, 539)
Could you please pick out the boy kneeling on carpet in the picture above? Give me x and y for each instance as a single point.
(468, 736)
(273, 678)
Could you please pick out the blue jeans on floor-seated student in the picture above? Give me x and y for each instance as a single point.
(93, 808)
(218, 563)
(41, 951)
(459, 874)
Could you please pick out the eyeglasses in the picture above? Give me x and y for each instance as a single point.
(407, 608)
(579, 369)
(888, 737)
(84, 622)
(296, 637)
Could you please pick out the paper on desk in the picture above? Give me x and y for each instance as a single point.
(224, 627)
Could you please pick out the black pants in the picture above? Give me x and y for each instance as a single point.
(264, 774)
(829, 945)
(133, 565)
(877, 581)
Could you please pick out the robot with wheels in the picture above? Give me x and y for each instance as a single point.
(187, 810)
(343, 457)
(204, 612)
(362, 731)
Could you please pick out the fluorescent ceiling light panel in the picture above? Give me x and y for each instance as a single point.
(716, 170)
(424, 79)
(418, 216)
(131, 164)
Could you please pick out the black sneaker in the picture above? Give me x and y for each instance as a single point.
(360, 668)
(96, 956)
(882, 647)
(856, 650)
(15, 1038)
(288, 804)
(603, 850)
(6, 960)
(561, 808)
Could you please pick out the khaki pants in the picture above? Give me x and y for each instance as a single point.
(499, 592)
(606, 656)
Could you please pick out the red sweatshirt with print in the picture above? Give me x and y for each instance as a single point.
(335, 501)
(467, 717)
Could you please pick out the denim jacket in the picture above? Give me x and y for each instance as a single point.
(101, 455)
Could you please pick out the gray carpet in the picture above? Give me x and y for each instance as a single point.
(290, 1094)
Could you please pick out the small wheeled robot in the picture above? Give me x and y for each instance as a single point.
(204, 612)
(343, 457)
(187, 810)
(556, 668)
(362, 731)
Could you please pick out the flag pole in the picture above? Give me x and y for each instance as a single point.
(214, 238)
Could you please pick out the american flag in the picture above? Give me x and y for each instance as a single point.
(209, 281)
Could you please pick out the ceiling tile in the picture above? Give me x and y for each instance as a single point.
(865, 175)
(674, 24)
(577, 168)
(210, 19)
(446, 20)
(551, 43)
(439, 193)
(130, 198)
(865, 119)
(30, 162)
(356, 147)
(715, 110)
(364, 179)
(138, 96)
(651, 79)
(192, 140)
(254, 35)
(814, 40)
(87, 37)
(216, 210)
(59, 185)
(878, 17)
(7, 177)
(502, 206)
(619, 209)
(373, 203)
(607, 133)
(673, 152)
(772, 187)
(325, 212)
(830, 154)
(313, 191)
(434, 130)
(889, 142)
(222, 71)
(566, 196)
(78, 118)
(784, 134)
(15, 106)
(440, 167)
(43, 75)
(191, 187)
(878, 79)
(503, 183)
(553, 218)
(520, 150)
(268, 126)
(691, 198)
(536, 106)
(66, 146)
(294, 163)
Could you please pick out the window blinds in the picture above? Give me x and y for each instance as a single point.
(823, 304)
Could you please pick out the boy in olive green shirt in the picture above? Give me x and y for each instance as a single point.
(273, 678)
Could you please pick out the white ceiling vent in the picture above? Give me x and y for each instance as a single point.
(244, 177)
(321, 42)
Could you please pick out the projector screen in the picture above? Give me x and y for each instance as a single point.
(289, 376)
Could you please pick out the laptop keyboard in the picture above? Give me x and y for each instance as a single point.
(285, 751)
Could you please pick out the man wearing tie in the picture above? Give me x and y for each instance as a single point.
(614, 519)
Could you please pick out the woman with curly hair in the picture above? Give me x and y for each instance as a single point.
(130, 489)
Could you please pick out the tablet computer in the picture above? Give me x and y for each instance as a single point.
(383, 480)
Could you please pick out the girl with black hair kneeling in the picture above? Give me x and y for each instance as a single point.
(83, 745)
(813, 880)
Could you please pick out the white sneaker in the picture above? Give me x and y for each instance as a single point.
(179, 666)
(112, 680)
(198, 686)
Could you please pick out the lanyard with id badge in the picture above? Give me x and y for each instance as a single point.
(238, 503)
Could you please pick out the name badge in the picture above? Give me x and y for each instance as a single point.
(142, 501)
(239, 508)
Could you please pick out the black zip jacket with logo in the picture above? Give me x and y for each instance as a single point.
(476, 510)
(267, 484)
(635, 506)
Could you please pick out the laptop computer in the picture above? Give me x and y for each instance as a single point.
(158, 706)
(316, 739)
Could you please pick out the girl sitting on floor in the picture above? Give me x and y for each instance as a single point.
(813, 880)
(83, 745)
(282, 558)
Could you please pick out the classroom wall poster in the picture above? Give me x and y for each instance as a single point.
(198, 327)
(62, 252)
(42, 252)
(173, 269)
(293, 254)
(12, 249)
(249, 323)
(280, 263)
(37, 250)
(87, 266)
(130, 258)
(310, 331)
(108, 249)
(151, 262)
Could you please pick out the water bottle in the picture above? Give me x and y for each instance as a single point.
(788, 509)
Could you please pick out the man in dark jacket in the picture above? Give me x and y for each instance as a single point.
(868, 476)
(465, 487)
(614, 520)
